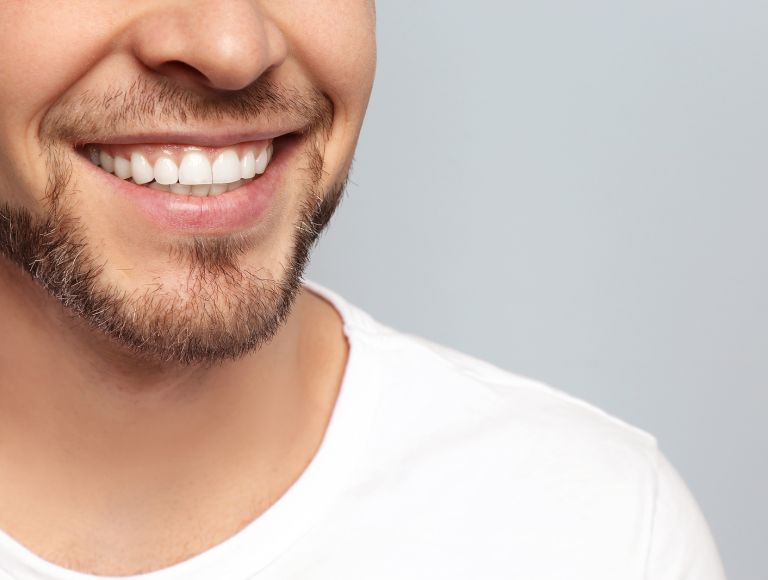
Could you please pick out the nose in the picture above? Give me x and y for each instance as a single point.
(219, 44)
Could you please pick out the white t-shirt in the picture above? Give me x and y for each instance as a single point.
(437, 465)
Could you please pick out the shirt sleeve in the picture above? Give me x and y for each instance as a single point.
(681, 544)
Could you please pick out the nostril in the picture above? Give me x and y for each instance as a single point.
(180, 69)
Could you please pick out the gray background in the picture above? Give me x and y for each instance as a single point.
(576, 191)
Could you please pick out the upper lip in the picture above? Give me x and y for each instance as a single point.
(214, 137)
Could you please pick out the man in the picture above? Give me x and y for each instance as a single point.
(176, 401)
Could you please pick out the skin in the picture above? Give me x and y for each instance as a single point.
(164, 458)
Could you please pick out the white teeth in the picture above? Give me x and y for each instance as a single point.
(165, 171)
(122, 167)
(141, 170)
(248, 166)
(195, 169)
(180, 188)
(226, 168)
(107, 162)
(195, 176)
(262, 160)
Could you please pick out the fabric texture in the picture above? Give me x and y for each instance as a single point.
(436, 464)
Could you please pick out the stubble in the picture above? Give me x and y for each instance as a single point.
(226, 309)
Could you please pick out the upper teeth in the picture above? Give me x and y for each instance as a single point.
(191, 166)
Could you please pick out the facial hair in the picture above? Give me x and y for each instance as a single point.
(226, 310)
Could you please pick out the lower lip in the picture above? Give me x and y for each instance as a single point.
(234, 210)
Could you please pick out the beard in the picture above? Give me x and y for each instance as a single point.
(226, 309)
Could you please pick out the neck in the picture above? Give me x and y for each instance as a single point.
(142, 438)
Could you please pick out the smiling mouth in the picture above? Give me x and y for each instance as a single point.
(185, 170)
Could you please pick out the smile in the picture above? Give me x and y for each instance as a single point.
(194, 188)
(184, 170)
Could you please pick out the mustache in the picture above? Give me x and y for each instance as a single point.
(90, 116)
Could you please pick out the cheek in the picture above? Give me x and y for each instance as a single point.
(336, 44)
(45, 48)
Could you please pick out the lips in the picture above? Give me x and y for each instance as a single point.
(202, 193)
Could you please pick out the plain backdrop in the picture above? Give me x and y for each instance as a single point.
(576, 192)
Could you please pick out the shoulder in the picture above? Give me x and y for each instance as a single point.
(450, 390)
(544, 463)
(434, 387)
(457, 443)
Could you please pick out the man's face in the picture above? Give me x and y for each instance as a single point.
(104, 104)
